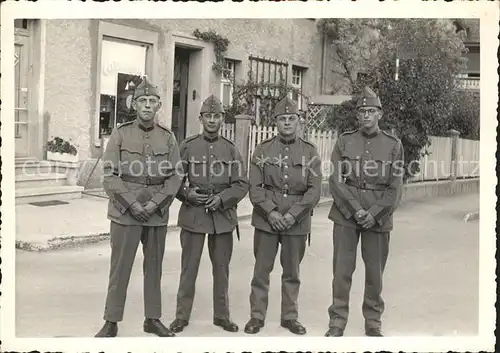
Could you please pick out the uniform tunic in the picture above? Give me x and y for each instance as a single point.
(134, 156)
(367, 174)
(285, 177)
(215, 167)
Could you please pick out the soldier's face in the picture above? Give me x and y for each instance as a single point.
(212, 121)
(287, 124)
(368, 117)
(146, 107)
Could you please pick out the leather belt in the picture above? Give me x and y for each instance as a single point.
(284, 191)
(145, 180)
(210, 189)
(366, 186)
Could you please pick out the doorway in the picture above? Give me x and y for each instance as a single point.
(21, 98)
(180, 93)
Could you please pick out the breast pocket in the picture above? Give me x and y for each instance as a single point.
(220, 170)
(131, 158)
(350, 165)
(197, 171)
(161, 164)
(297, 173)
(378, 171)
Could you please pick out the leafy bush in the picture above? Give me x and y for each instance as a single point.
(59, 145)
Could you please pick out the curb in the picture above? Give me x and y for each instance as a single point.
(471, 217)
(71, 241)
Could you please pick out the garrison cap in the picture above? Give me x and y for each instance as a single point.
(145, 89)
(368, 98)
(285, 106)
(212, 105)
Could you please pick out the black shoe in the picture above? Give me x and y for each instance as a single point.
(155, 326)
(373, 332)
(254, 326)
(294, 326)
(109, 329)
(334, 332)
(178, 325)
(226, 324)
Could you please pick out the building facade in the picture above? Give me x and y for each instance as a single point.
(74, 77)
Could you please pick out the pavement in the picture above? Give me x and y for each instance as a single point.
(430, 285)
(81, 221)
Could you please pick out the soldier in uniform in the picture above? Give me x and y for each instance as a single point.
(285, 185)
(366, 187)
(141, 180)
(215, 182)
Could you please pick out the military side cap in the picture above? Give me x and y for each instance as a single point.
(285, 106)
(369, 99)
(145, 88)
(212, 105)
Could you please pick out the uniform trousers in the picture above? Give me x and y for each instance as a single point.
(220, 249)
(265, 250)
(124, 243)
(374, 250)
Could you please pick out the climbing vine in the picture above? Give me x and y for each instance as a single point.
(246, 94)
(220, 47)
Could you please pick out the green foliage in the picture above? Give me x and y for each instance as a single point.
(465, 115)
(220, 47)
(59, 145)
(424, 99)
(244, 98)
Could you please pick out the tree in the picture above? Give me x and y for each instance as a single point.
(422, 100)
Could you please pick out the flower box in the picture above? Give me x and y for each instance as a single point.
(62, 157)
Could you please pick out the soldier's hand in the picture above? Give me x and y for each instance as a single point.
(213, 203)
(276, 221)
(138, 212)
(368, 221)
(360, 216)
(150, 207)
(195, 198)
(289, 220)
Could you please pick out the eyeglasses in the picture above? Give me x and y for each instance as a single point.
(369, 111)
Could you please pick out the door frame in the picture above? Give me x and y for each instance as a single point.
(200, 72)
(36, 124)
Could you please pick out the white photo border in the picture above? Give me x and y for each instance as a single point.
(486, 11)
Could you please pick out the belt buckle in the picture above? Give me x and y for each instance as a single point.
(148, 180)
(285, 192)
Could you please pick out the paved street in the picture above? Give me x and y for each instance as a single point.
(430, 288)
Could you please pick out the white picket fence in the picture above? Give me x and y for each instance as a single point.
(434, 166)
(227, 130)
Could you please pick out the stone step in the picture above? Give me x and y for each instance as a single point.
(32, 168)
(40, 180)
(48, 193)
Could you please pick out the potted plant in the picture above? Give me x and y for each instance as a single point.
(61, 150)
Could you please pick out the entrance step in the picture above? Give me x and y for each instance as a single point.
(40, 180)
(48, 193)
(35, 167)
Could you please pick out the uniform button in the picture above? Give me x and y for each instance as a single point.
(367, 151)
(286, 165)
(286, 149)
(212, 156)
(285, 185)
(286, 176)
(211, 146)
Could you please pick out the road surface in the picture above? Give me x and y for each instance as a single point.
(430, 288)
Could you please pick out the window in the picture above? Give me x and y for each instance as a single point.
(227, 82)
(21, 23)
(125, 55)
(297, 80)
(271, 73)
(123, 64)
